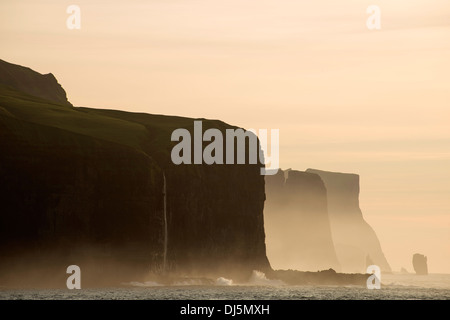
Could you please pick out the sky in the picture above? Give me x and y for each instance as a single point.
(345, 98)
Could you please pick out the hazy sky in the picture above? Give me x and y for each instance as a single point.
(345, 98)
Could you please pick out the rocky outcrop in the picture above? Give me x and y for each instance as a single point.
(420, 264)
(297, 223)
(353, 237)
(85, 186)
(323, 277)
(30, 82)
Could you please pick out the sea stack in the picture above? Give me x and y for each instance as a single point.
(420, 264)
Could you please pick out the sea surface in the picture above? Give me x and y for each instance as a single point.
(393, 287)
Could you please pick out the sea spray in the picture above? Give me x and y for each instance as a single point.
(221, 281)
(259, 278)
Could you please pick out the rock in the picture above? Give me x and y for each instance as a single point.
(30, 82)
(354, 239)
(297, 223)
(324, 277)
(420, 264)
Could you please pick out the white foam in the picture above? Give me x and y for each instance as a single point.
(224, 282)
(259, 278)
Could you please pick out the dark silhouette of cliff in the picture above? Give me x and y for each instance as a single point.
(297, 223)
(420, 264)
(85, 186)
(32, 83)
(354, 239)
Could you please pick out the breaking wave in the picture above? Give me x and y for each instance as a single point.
(224, 282)
(259, 278)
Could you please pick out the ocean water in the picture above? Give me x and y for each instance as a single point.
(393, 287)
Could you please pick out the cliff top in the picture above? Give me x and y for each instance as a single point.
(26, 80)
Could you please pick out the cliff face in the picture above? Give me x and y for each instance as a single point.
(69, 199)
(297, 223)
(354, 239)
(30, 82)
(215, 212)
(84, 186)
